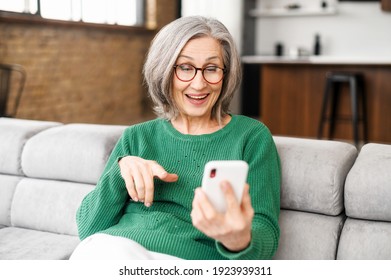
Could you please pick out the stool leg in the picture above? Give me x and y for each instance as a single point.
(322, 119)
(335, 90)
(363, 110)
(353, 95)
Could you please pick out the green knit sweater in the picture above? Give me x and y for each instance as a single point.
(166, 226)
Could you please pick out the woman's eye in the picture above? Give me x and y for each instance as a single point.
(211, 69)
(185, 67)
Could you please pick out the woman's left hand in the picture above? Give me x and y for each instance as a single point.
(232, 228)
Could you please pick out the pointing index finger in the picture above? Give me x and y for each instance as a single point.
(162, 174)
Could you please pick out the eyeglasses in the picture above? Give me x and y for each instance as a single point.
(187, 72)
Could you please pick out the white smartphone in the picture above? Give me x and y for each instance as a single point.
(233, 171)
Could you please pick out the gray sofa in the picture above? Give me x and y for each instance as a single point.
(335, 202)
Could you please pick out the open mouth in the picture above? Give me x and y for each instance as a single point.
(197, 97)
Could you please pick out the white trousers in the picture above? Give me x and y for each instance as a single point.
(108, 247)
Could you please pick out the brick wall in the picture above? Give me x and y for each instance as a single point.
(79, 74)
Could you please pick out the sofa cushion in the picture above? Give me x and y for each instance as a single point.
(7, 188)
(13, 135)
(313, 173)
(47, 205)
(368, 184)
(365, 240)
(74, 152)
(306, 236)
(26, 244)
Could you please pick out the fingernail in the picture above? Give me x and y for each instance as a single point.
(135, 199)
(148, 204)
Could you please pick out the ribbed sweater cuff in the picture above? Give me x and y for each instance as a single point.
(234, 255)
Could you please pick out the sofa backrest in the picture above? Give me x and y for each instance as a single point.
(313, 174)
(14, 133)
(367, 230)
(65, 163)
(312, 200)
(60, 164)
(73, 152)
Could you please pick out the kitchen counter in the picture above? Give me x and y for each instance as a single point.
(333, 60)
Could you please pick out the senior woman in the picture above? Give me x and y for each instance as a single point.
(148, 203)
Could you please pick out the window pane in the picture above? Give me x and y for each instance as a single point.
(12, 6)
(33, 6)
(126, 12)
(112, 12)
(59, 9)
(94, 11)
(76, 9)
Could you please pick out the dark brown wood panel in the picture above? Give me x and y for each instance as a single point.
(292, 98)
(386, 5)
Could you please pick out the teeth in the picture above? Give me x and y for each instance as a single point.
(199, 97)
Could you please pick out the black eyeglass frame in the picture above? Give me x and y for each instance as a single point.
(202, 72)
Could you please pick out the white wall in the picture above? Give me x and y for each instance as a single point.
(230, 13)
(357, 30)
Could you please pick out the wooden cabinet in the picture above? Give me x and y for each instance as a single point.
(291, 99)
(386, 5)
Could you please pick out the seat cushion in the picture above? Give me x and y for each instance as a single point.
(26, 244)
(308, 236)
(365, 240)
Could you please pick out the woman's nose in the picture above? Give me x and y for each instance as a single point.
(198, 81)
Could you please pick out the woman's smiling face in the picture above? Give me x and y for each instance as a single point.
(196, 98)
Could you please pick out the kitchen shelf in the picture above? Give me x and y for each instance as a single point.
(281, 12)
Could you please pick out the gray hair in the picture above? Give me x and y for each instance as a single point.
(164, 51)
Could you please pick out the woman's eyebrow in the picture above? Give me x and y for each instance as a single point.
(191, 58)
(185, 56)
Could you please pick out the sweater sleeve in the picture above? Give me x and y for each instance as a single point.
(104, 205)
(264, 180)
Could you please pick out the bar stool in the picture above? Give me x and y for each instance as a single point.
(357, 99)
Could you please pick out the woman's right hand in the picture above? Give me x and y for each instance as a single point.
(138, 174)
